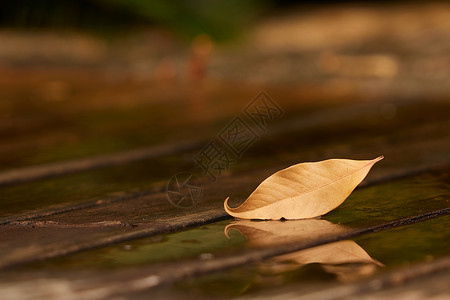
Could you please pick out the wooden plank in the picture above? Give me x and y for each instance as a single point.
(32, 173)
(424, 280)
(143, 206)
(353, 113)
(153, 214)
(309, 272)
(98, 117)
(400, 147)
(94, 285)
(111, 117)
(101, 222)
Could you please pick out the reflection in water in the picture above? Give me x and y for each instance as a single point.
(266, 233)
(345, 259)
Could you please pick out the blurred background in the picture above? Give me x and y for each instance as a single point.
(86, 77)
(246, 40)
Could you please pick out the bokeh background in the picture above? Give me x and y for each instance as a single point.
(81, 78)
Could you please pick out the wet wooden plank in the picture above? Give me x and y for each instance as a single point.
(59, 233)
(145, 177)
(90, 284)
(309, 272)
(402, 144)
(153, 214)
(151, 211)
(26, 174)
(356, 131)
(105, 117)
(301, 117)
(99, 116)
(73, 124)
(423, 280)
(434, 285)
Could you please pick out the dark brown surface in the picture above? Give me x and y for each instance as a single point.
(85, 159)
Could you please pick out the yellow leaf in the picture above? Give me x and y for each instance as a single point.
(305, 190)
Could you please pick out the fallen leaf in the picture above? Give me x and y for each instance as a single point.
(305, 190)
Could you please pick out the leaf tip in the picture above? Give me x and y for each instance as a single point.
(378, 263)
(226, 207)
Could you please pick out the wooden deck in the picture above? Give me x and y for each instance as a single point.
(76, 189)
(90, 158)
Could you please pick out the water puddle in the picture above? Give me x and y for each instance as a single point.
(343, 261)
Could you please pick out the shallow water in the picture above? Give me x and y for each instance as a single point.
(393, 248)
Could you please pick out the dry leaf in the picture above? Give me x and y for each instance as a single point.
(305, 190)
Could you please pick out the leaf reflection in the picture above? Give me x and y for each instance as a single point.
(345, 259)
